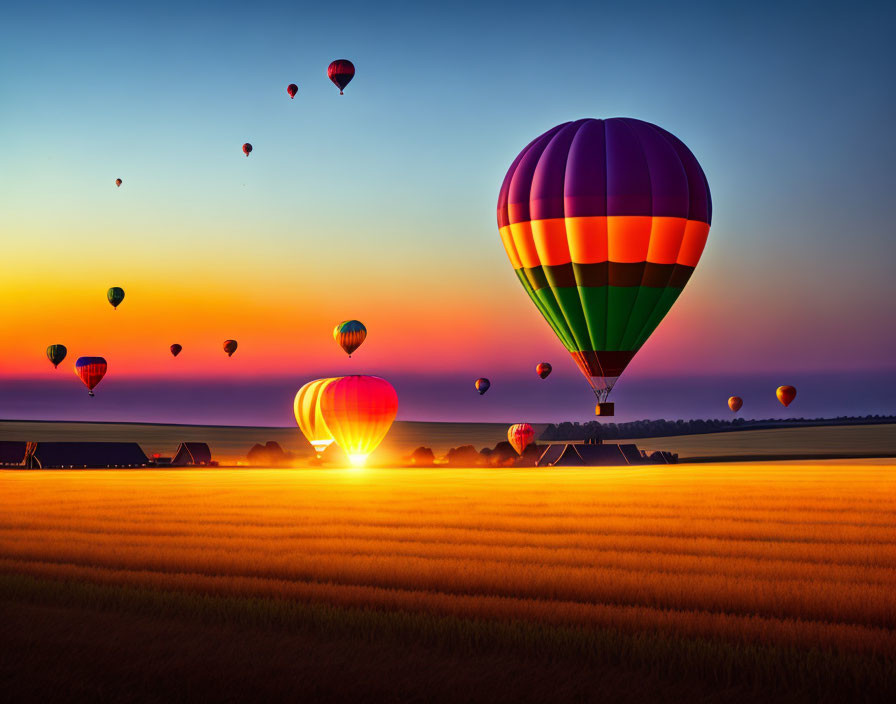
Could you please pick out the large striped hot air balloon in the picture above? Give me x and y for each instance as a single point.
(56, 353)
(350, 334)
(90, 370)
(520, 435)
(358, 411)
(604, 222)
(309, 417)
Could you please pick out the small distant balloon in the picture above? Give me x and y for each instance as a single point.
(543, 369)
(350, 334)
(56, 353)
(115, 296)
(118, 182)
(90, 370)
(735, 403)
(292, 89)
(786, 394)
(175, 349)
(230, 347)
(341, 72)
(482, 385)
(520, 435)
(247, 148)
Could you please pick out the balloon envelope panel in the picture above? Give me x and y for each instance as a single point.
(309, 416)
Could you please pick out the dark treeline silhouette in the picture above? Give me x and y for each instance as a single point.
(663, 428)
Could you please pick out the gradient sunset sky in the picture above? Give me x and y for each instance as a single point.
(380, 204)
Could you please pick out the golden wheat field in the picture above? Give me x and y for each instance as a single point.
(793, 559)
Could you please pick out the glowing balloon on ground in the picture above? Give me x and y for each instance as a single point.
(482, 385)
(735, 403)
(520, 435)
(350, 334)
(91, 371)
(358, 411)
(341, 72)
(247, 148)
(175, 349)
(309, 416)
(56, 353)
(604, 222)
(292, 89)
(230, 347)
(543, 369)
(786, 394)
(118, 182)
(115, 296)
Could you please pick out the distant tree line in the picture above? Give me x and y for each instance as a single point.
(665, 428)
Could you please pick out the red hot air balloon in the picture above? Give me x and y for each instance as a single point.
(358, 411)
(482, 385)
(341, 72)
(603, 222)
(118, 182)
(292, 89)
(175, 349)
(520, 435)
(247, 148)
(735, 403)
(230, 347)
(786, 394)
(543, 369)
(90, 370)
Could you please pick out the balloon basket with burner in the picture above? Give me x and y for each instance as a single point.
(605, 409)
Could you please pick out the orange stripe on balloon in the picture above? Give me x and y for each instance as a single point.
(694, 241)
(665, 240)
(510, 247)
(628, 238)
(525, 244)
(551, 241)
(587, 239)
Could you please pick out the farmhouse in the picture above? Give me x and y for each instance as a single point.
(192, 454)
(45, 455)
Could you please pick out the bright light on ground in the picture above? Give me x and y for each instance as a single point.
(357, 460)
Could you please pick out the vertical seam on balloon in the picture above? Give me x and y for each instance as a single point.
(678, 253)
(592, 343)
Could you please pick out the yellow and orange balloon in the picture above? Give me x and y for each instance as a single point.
(735, 403)
(309, 417)
(786, 394)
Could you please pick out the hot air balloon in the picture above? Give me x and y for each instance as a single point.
(482, 385)
(341, 72)
(247, 148)
(115, 296)
(786, 394)
(520, 435)
(56, 353)
(350, 334)
(604, 222)
(309, 416)
(543, 369)
(118, 182)
(230, 347)
(735, 403)
(91, 371)
(175, 349)
(358, 411)
(292, 89)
